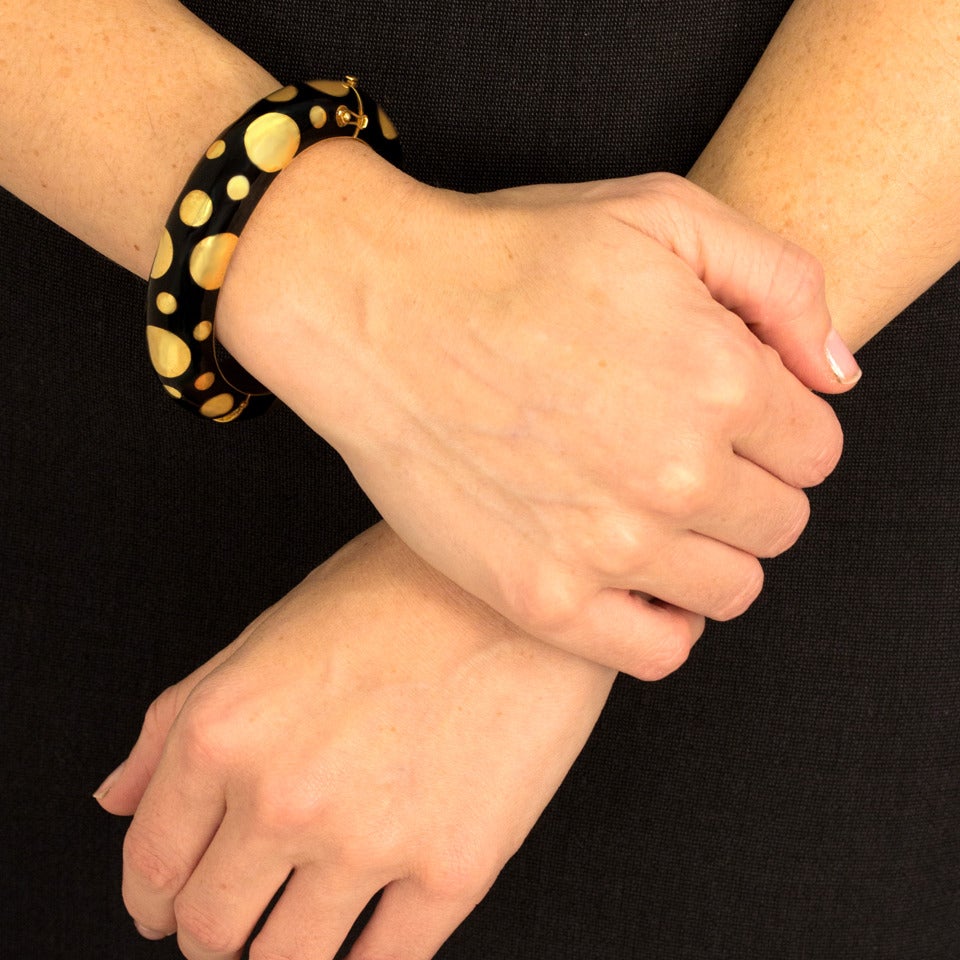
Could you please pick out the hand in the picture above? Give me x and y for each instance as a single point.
(377, 728)
(540, 391)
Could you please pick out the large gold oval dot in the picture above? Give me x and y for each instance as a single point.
(209, 260)
(318, 116)
(204, 381)
(283, 94)
(202, 330)
(386, 125)
(217, 406)
(195, 208)
(166, 303)
(215, 149)
(272, 141)
(238, 187)
(169, 355)
(164, 256)
(333, 88)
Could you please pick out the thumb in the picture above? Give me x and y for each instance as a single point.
(773, 285)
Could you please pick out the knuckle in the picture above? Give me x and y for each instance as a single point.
(143, 858)
(284, 813)
(260, 950)
(728, 383)
(202, 928)
(681, 487)
(739, 601)
(801, 278)
(459, 876)
(544, 600)
(825, 460)
(668, 658)
(793, 525)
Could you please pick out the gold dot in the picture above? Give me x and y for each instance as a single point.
(209, 260)
(318, 116)
(217, 406)
(173, 391)
(216, 149)
(272, 141)
(202, 330)
(166, 303)
(169, 355)
(163, 258)
(334, 88)
(204, 381)
(238, 187)
(283, 94)
(386, 125)
(195, 208)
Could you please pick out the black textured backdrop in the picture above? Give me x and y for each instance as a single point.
(794, 792)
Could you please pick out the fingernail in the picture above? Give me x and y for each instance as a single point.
(148, 933)
(841, 360)
(104, 787)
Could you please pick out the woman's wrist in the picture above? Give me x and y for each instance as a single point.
(325, 224)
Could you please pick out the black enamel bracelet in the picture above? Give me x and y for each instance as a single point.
(204, 226)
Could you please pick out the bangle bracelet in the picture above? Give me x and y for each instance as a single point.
(204, 226)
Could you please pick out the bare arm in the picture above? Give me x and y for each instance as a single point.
(106, 107)
(846, 140)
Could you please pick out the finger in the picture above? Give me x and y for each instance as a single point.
(228, 892)
(700, 574)
(410, 923)
(776, 287)
(122, 790)
(177, 817)
(313, 916)
(643, 638)
(791, 433)
(756, 513)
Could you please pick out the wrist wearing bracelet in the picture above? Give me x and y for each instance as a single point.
(205, 224)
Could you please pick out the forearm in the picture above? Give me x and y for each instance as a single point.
(845, 140)
(106, 105)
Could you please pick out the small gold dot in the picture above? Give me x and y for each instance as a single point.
(386, 125)
(333, 88)
(169, 355)
(164, 257)
(173, 391)
(166, 303)
(238, 187)
(217, 406)
(210, 258)
(216, 149)
(196, 208)
(204, 381)
(202, 330)
(283, 94)
(318, 116)
(272, 141)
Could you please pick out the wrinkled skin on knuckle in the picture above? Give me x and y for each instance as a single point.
(824, 461)
(741, 600)
(196, 926)
(801, 278)
(667, 659)
(144, 856)
(260, 950)
(795, 522)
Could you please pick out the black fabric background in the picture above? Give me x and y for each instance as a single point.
(791, 793)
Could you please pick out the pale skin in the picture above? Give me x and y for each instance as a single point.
(547, 516)
(410, 922)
